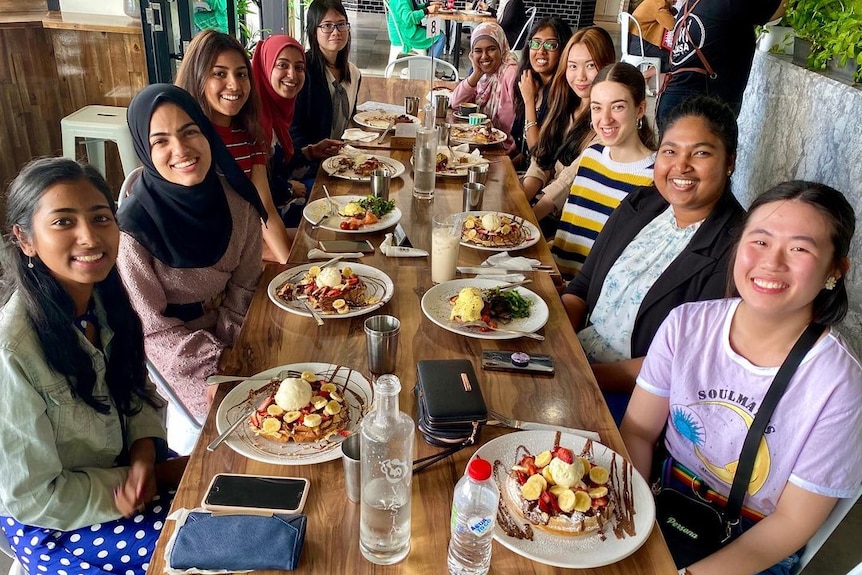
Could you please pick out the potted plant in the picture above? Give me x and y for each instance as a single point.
(832, 30)
(843, 42)
(775, 38)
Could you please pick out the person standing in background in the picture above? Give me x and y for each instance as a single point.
(405, 23)
(713, 50)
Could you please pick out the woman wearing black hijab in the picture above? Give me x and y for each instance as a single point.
(190, 247)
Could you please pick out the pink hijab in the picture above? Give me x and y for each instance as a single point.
(490, 86)
(276, 112)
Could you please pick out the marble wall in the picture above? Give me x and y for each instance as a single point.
(798, 124)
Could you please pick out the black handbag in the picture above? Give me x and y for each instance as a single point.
(450, 406)
(693, 527)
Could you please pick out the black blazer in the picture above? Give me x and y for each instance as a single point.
(698, 273)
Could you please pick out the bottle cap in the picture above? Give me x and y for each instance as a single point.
(479, 469)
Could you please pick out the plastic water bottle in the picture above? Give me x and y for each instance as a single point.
(387, 474)
(474, 511)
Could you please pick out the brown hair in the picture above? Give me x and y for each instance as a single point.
(630, 77)
(195, 70)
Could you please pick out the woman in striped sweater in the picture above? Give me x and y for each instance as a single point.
(609, 170)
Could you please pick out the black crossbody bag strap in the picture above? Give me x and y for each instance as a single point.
(749, 449)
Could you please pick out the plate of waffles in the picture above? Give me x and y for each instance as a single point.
(566, 500)
(340, 291)
(309, 434)
(358, 167)
(497, 231)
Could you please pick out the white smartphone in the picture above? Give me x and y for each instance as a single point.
(265, 494)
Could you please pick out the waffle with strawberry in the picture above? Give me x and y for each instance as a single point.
(303, 409)
(559, 492)
(329, 290)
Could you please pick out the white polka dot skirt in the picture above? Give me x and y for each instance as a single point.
(121, 547)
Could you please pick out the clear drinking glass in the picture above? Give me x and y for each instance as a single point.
(424, 162)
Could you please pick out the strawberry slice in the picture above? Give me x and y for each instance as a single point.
(255, 420)
(564, 455)
(521, 477)
(267, 401)
(545, 503)
(600, 502)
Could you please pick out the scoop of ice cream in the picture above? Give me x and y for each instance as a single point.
(328, 277)
(293, 394)
(491, 221)
(468, 305)
(565, 474)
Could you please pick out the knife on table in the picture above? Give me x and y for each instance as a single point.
(492, 270)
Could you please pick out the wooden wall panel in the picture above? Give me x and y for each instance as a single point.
(48, 74)
(22, 5)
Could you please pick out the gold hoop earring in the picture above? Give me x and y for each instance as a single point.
(831, 282)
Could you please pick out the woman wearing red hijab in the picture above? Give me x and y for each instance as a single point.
(278, 67)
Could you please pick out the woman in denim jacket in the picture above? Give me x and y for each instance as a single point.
(83, 469)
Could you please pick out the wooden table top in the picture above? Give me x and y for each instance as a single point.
(271, 337)
(465, 16)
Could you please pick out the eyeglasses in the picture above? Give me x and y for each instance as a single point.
(549, 45)
(329, 27)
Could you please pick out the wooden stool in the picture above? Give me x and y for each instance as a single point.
(96, 124)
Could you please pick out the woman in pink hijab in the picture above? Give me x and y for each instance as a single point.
(278, 66)
(491, 84)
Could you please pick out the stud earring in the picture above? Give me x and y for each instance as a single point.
(729, 172)
(640, 123)
(831, 282)
(591, 126)
(30, 262)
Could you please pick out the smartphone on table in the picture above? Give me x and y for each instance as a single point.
(346, 246)
(502, 361)
(256, 493)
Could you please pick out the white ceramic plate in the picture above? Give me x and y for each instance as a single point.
(436, 307)
(467, 135)
(378, 285)
(315, 210)
(584, 552)
(241, 398)
(475, 12)
(331, 166)
(531, 234)
(460, 171)
(379, 119)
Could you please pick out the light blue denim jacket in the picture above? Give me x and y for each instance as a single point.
(57, 453)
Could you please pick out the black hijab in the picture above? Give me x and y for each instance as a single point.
(181, 226)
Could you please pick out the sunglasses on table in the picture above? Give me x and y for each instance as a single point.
(329, 27)
(549, 45)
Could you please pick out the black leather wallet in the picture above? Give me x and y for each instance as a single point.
(450, 403)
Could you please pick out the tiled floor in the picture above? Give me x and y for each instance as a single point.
(370, 51)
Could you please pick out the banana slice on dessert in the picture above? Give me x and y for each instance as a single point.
(291, 416)
(347, 272)
(318, 402)
(598, 492)
(546, 473)
(582, 501)
(336, 395)
(312, 420)
(543, 459)
(566, 500)
(308, 376)
(274, 410)
(531, 490)
(313, 271)
(328, 387)
(332, 408)
(271, 425)
(599, 475)
(585, 465)
(557, 489)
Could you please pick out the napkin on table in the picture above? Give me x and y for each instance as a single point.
(475, 157)
(357, 135)
(505, 261)
(207, 543)
(383, 106)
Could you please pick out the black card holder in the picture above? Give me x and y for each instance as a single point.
(451, 409)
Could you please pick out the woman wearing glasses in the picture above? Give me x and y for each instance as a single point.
(327, 101)
(538, 64)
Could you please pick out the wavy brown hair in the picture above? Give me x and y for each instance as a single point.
(197, 66)
(559, 138)
(630, 77)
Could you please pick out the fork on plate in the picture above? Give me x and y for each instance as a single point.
(482, 325)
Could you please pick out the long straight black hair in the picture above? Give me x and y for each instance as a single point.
(316, 60)
(50, 307)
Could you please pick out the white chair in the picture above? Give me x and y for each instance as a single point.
(841, 509)
(643, 63)
(96, 125)
(521, 40)
(6, 549)
(183, 427)
(419, 67)
(395, 52)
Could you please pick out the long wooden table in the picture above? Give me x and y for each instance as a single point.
(272, 337)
